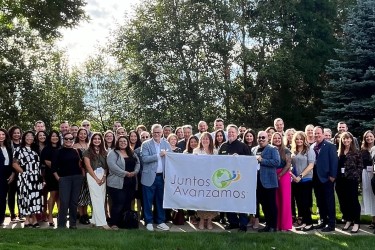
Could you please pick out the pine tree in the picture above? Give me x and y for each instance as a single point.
(351, 92)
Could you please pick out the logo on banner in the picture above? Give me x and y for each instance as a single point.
(222, 177)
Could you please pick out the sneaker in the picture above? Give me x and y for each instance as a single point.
(163, 227)
(150, 227)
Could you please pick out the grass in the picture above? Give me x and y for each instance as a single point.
(141, 239)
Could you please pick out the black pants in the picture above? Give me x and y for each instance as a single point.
(69, 189)
(3, 197)
(267, 198)
(303, 194)
(325, 199)
(347, 193)
(121, 201)
(12, 196)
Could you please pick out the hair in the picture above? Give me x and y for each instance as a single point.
(36, 140)
(269, 128)
(281, 149)
(143, 127)
(188, 148)
(85, 121)
(91, 148)
(305, 147)
(352, 148)
(154, 126)
(277, 120)
(365, 145)
(172, 135)
(327, 130)
(337, 136)
(129, 151)
(23, 141)
(232, 126)
(216, 143)
(138, 142)
(210, 146)
(49, 143)
(187, 126)
(39, 122)
(250, 131)
(79, 131)
(114, 139)
(167, 126)
(119, 129)
(7, 138)
(12, 129)
(286, 142)
(218, 120)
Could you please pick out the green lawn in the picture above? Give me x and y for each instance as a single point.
(141, 239)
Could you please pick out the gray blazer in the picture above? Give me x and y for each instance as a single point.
(117, 173)
(270, 161)
(150, 160)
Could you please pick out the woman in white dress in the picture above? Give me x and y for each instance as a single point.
(368, 197)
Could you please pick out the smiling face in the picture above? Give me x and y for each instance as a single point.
(193, 143)
(172, 140)
(82, 136)
(276, 140)
(318, 134)
(180, 134)
(262, 139)
(122, 143)
(96, 140)
(249, 138)
(16, 135)
(205, 140)
(219, 137)
(54, 138)
(109, 137)
(41, 137)
(369, 138)
(2, 137)
(68, 140)
(133, 138)
(232, 134)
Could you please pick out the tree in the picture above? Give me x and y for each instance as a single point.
(351, 93)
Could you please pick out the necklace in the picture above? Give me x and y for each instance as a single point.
(82, 147)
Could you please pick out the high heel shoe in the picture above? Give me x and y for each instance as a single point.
(354, 231)
(347, 226)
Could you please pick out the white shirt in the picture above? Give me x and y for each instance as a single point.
(160, 164)
(6, 156)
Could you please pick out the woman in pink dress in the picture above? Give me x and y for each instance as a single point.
(283, 193)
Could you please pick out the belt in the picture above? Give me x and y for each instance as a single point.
(159, 174)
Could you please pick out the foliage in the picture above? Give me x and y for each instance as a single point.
(351, 93)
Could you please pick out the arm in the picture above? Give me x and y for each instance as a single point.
(113, 166)
(287, 166)
(146, 153)
(274, 160)
(90, 171)
(137, 165)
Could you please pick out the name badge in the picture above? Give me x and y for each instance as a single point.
(370, 169)
(99, 172)
(342, 170)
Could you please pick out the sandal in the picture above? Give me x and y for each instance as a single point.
(51, 224)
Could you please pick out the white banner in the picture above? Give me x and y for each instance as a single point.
(225, 183)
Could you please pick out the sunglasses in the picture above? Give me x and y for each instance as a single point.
(86, 125)
(261, 137)
(144, 137)
(69, 139)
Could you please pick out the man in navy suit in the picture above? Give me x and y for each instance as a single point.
(153, 153)
(269, 159)
(325, 172)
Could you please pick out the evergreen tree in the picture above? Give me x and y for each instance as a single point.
(351, 93)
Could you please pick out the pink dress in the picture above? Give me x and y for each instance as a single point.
(283, 202)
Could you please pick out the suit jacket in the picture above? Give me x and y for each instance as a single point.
(150, 160)
(270, 161)
(326, 162)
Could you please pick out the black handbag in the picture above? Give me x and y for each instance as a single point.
(129, 220)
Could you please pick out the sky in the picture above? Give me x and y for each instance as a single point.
(82, 40)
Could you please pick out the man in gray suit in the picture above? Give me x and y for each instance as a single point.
(153, 153)
(269, 159)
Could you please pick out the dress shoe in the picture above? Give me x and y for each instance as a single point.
(267, 230)
(320, 226)
(328, 229)
(242, 229)
(231, 226)
(308, 228)
(347, 226)
(354, 231)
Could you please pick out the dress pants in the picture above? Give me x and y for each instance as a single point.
(97, 195)
(267, 198)
(325, 199)
(69, 189)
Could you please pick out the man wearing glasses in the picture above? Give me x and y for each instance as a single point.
(153, 153)
(269, 159)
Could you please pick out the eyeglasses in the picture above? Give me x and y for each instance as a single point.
(144, 137)
(156, 132)
(86, 125)
(261, 137)
(69, 139)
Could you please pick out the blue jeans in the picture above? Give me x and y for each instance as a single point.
(69, 189)
(156, 190)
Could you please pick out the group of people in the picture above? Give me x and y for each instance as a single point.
(118, 170)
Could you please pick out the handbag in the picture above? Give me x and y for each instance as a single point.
(129, 220)
(178, 217)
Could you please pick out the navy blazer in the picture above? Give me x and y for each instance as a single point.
(326, 161)
(270, 161)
